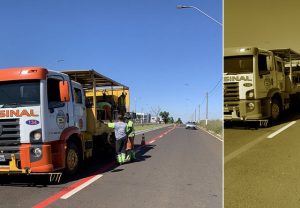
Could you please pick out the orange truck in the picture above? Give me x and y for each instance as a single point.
(47, 123)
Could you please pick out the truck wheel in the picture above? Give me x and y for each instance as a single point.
(111, 149)
(72, 159)
(275, 110)
(111, 140)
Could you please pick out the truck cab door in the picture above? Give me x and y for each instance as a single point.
(280, 74)
(57, 116)
(265, 75)
(79, 108)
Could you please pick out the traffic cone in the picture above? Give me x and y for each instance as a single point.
(143, 142)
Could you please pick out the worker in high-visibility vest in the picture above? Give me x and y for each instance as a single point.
(120, 128)
(130, 154)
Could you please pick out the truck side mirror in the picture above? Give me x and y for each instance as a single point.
(64, 91)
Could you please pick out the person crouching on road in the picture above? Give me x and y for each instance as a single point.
(121, 138)
(130, 154)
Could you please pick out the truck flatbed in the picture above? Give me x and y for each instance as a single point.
(90, 79)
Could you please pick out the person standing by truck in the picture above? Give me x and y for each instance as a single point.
(130, 154)
(121, 137)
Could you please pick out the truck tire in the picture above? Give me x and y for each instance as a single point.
(111, 145)
(275, 110)
(72, 159)
(111, 139)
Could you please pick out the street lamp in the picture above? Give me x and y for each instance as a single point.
(193, 7)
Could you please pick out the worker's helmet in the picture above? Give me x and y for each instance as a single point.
(127, 115)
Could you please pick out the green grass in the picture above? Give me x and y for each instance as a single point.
(139, 127)
(215, 126)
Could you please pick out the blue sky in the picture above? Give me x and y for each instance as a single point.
(168, 57)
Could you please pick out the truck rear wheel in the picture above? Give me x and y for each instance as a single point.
(275, 110)
(72, 159)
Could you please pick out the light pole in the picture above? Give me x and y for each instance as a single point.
(135, 104)
(193, 7)
(206, 109)
(199, 115)
(199, 10)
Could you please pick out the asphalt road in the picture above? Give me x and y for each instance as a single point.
(177, 168)
(262, 166)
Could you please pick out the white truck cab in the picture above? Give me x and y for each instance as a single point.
(43, 120)
(256, 87)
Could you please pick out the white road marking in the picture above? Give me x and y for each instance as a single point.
(281, 130)
(150, 142)
(211, 134)
(243, 149)
(82, 186)
(254, 142)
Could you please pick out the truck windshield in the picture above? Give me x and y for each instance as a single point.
(19, 93)
(238, 64)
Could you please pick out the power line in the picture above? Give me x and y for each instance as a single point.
(202, 101)
(206, 98)
(215, 86)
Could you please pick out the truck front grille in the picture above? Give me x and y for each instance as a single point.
(231, 92)
(9, 132)
(231, 97)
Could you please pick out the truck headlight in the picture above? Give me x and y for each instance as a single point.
(251, 106)
(250, 94)
(36, 136)
(37, 152)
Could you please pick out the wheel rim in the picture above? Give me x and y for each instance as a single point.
(72, 159)
(275, 111)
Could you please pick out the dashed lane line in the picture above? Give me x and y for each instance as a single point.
(281, 130)
(254, 142)
(243, 148)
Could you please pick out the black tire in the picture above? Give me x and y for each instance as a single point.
(73, 159)
(275, 110)
(111, 140)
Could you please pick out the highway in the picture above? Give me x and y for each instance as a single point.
(176, 168)
(262, 166)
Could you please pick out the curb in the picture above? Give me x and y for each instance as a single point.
(207, 131)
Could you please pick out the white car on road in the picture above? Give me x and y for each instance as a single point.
(191, 125)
